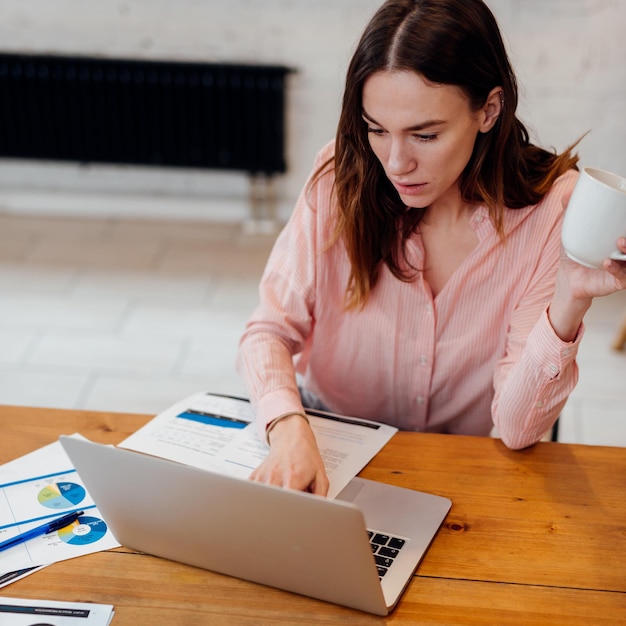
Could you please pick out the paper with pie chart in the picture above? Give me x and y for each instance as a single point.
(27, 501)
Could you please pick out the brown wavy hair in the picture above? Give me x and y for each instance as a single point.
(451, 42)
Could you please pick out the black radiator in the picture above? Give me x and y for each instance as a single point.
(160, 113)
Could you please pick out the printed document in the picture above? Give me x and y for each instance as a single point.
(37, 488)
(218, 433)
(19, 612)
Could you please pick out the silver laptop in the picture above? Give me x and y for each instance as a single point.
(359, 550)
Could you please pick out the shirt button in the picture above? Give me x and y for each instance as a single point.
(539, 404)
(554, 369)
(420, 400)
(423, 359)
(567, 351)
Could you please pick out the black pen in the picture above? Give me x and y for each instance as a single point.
(48, 527)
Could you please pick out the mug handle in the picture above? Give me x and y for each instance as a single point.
(618, 256)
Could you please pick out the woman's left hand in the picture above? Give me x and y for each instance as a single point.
(576, 287)
(586, 283)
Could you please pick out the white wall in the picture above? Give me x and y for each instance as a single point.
(569, 55)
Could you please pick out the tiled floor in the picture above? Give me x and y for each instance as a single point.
(131, 316)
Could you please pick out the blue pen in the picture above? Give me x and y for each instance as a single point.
(48, 527)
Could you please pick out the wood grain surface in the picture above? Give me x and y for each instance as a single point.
(534, 537)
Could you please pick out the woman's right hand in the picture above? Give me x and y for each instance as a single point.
(294, 460)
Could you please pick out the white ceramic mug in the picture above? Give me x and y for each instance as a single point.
(595, 218)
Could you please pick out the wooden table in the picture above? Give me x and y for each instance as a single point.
(533, 537)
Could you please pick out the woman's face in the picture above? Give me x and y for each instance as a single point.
(422, 133)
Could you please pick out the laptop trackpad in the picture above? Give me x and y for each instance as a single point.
(350, 491)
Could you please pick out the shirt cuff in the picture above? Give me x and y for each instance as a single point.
(548, 350)
(275, 404)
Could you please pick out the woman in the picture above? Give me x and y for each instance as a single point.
(419, 281)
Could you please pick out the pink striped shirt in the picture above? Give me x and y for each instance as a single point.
(482, 352)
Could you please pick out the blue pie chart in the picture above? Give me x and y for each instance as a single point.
(83, 531)
(61, 495)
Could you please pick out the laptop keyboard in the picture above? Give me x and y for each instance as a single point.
(385, 549)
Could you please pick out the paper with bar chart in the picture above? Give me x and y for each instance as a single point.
(218, 433)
